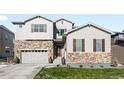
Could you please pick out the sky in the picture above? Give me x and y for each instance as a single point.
(113, 22)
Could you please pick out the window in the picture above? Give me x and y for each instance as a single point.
(22, 50)
(38, 50)
(7, 51)
(99, 45)
(78, 45)
(45, 50)
(61, 31)
(38, 28)
(61, 22)
(33, 51)
(20, 26)
(6, 37)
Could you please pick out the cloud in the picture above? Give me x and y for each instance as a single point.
(3, 18)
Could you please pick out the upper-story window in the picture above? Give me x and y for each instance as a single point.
(61, 31)
(38, 28)
(6, 36)
(20, 26)
(62, 22)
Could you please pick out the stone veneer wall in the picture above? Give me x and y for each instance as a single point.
(33, 45)
(88, 58)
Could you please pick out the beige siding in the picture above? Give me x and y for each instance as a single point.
(65, 25)
(88, 33)
(25, 32)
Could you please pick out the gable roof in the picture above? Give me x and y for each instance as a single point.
(64, 20)
(29, 19)
(6, 29)
(89, 24)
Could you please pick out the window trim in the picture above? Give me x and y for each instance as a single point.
(83, 45)
(103, 45)
(20, 26)
(74, 45)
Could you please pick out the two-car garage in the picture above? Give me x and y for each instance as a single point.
(34, 56)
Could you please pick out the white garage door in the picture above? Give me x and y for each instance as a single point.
(34, 56)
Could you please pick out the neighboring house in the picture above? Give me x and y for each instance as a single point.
(38, 39)
(88, 43)
(6, 42)
(118, 38)
(118, 47)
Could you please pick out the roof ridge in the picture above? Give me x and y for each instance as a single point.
(31, 18)
(89, 23)
(65, 20)
(5, 28)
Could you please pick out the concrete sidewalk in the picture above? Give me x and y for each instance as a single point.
(20, 71)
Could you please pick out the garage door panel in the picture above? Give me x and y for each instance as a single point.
(35, 57)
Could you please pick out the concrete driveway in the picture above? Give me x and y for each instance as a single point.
(20, 71)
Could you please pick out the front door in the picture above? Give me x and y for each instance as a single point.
(59, 51)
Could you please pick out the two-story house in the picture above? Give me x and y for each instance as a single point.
(6, 42)
(38, 39)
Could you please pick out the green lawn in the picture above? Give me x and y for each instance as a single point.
(80, 73)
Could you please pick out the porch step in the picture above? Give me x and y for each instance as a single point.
(57, 61)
